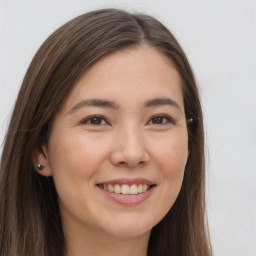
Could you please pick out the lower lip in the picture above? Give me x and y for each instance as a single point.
(128, 199)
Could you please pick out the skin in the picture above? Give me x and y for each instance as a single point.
(127, 141)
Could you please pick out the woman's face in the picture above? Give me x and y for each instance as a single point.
(118, 147)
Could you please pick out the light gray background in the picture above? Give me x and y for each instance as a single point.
(219, 38)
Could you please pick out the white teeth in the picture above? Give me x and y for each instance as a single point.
(133, 189)
(117, 189)
(144, 187)
(140, 188)
(110, 188)
(125, 189)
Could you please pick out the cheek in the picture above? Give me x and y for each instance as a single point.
(75, 155)
(171, 155)
(171, 172)
(172, 169)
(74, 160)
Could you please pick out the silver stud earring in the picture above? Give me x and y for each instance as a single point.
(40, 167)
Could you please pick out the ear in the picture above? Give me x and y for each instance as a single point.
(41, 158)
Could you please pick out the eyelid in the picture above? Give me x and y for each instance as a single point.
(169, 119)
(86, 120)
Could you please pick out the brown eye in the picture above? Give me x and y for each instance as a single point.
(94, 120)
(160, 120)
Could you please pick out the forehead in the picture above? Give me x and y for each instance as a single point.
(129, 74)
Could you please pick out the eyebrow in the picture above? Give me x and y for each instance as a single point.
(111, 104)
(162, 101)
(94, 103)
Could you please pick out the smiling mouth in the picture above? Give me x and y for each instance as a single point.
(126, 189)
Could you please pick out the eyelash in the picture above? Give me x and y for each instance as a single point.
(168, 119)
(89, 119)
(99, 119)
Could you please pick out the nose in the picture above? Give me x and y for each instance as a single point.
(129, 149)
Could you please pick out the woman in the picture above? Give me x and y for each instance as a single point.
(105, 151)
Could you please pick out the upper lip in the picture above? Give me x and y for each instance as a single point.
(128, 181)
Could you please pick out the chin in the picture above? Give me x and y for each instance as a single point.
(131, 227)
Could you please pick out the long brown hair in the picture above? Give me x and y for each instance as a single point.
(30, 222)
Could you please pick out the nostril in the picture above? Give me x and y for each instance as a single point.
(123, 163)
(129, 158)
(136, 164)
